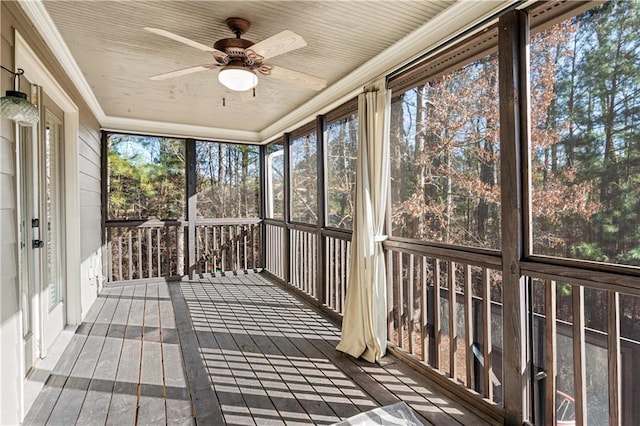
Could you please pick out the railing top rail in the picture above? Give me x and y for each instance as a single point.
(150, 223)
(491, 261)
(587, 278)
(226, 221)
(157, 223)
(304, 228)
(340, 234)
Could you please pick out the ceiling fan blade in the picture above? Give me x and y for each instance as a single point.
(184, 71)
(295, 77)
(185, 40)
(283, 42)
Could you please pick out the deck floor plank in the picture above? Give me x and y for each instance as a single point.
(235, 350)
(98, 396)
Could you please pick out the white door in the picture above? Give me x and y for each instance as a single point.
(41, 224)
(27, 175)
(51, 192)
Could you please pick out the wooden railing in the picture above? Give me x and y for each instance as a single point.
(224, 245)
(587, 341)
(338, 260)
(444, 308)
(275, 254)
(138, 250)
(303, 266)
(145, 249)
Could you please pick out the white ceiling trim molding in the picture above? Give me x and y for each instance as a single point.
(37, 13)
(157, 128)
(452, 22)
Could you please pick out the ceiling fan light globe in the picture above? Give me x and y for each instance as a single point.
(237, 79)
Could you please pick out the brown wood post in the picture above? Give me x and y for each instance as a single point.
(191, 207)
(286, 252)
(514, 130)
(263, 209)
(322, 211)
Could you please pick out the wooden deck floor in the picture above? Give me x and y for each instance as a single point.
(229, 350)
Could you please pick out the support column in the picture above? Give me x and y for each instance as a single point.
(263, 205)
(322, 211)
(514, 132)
(286, 142)
(191, 207)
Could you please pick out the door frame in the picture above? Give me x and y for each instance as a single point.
(38, 74)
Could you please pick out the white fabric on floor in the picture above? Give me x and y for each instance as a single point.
(399, 414)
(364, 325)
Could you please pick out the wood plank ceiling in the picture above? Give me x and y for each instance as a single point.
(116, 56)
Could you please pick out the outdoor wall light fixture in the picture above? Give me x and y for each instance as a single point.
(238, 78)
(15, 105)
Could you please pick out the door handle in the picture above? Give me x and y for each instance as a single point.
(37, 244)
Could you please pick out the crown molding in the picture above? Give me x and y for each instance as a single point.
(157, 128)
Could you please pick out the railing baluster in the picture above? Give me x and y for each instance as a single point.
(399, 296)
(223, 252)
(486, 334)
(296, 257)
(207, 250)
(390, 297)
(158, 253)
(551, 355)
(453, 333)
(614, 364)
(119, 237)
(579, 371)
(410, 324)
(110, 249)
(305, 262)
(149, 254)
(468, 325)
(245, 241)
(329, 273)
(436, 314)
(424, 317)
(140, 253)
(130, 254)
(342, 278)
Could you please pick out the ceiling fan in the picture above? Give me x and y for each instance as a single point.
(240, 60)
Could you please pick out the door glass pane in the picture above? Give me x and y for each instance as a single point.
(25, 230)
(52, 208)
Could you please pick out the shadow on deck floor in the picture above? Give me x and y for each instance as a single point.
(234, 350)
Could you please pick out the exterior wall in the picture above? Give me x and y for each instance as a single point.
(88, 164)
(90, 214)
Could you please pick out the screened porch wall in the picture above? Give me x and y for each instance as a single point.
(509, 329)
(566, 324)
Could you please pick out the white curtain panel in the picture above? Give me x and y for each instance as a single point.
(364, 325)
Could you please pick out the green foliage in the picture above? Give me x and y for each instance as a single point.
(589, 251)
(146, 177)
(587, 154)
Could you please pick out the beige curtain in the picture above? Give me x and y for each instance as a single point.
(364, 331)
